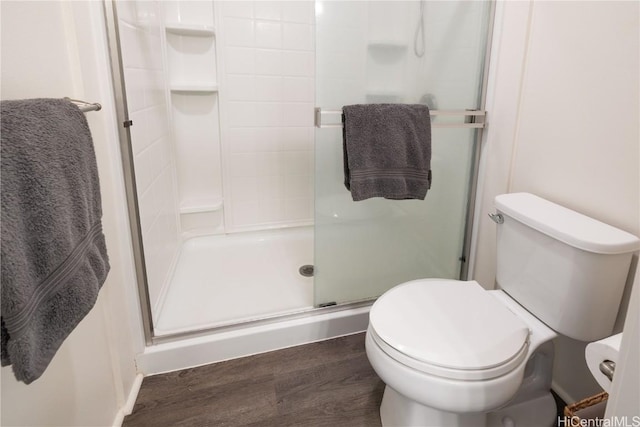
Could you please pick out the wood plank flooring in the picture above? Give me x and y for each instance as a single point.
(329, 383)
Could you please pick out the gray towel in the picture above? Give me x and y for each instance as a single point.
(54, 258)
(387, 151)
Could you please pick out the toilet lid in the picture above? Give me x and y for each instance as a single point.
(448, 323)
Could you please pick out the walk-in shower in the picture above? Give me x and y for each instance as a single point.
(232, 149)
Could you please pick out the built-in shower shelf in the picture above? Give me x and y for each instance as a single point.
(384, 92)
(378, 96)
(387, 44)
(190, 29)
(194, 87)
(201, 205)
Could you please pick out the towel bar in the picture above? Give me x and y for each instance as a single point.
(473, 118)
(85, 106)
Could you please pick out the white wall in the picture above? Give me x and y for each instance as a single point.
(577, 137)
(57, 49)
(563, 124)
(267, 94)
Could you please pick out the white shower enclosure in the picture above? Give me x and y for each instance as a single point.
(233, 186)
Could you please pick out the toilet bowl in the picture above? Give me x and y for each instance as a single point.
(449, 351)
(454, 354)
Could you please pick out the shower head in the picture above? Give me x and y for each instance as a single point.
(429, 100)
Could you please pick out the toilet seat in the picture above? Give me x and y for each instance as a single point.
(449, 328)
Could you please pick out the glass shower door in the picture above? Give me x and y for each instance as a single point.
(395, 52)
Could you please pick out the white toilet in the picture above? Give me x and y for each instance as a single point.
(454, 354)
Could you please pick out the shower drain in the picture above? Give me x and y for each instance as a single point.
(306, 270)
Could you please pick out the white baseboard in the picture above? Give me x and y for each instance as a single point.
(127, 408)
(133, 395)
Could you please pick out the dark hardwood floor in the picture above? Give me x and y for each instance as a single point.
(329, 383)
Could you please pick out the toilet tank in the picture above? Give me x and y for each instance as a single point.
(567, 269)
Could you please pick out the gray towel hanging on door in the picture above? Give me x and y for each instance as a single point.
(387, 151)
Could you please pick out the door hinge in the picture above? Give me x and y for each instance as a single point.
(127, 123)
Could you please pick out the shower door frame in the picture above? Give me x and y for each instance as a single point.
(473, 179)
(128, 169)
(126, 151)
(473, 118)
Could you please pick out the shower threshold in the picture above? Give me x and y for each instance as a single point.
(187, 350)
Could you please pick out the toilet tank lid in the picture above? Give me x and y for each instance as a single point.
(566, 225)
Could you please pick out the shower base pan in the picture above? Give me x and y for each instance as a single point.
(229, 279)
(242, 294)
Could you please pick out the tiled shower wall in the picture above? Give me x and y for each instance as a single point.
(267, 94)
(141, 43)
